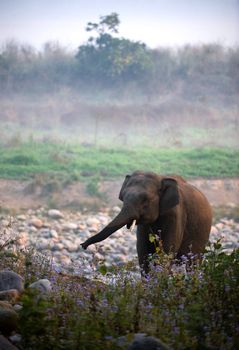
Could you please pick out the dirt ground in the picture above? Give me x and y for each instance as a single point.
(20, 195)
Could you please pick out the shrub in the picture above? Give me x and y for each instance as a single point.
(192, 308)
(21, 159)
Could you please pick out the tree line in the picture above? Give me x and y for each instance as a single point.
(108, 61)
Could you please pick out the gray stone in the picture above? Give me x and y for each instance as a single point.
(21, 217)
(15, 338)
(5, 344)
(8, 318)
(42, 285)
(17, 307)
(92, 221)
(57, 246)
(43, 244)
(11, 280)
(5, 223)
(142, 342)
(93, 229)
(55, 214)
(82, 226)
(69, 226)
(116, 209)
(45, 232)
(23, 227)
(33, 229)
(71, 247)
(54, 234)
(104, 220)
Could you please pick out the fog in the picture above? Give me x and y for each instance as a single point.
(191, 102)
(113, 90)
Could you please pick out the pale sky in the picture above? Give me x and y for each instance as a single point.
(155, 22)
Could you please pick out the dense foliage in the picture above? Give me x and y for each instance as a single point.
(107, 60)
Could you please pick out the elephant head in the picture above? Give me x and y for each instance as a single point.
(145, 196)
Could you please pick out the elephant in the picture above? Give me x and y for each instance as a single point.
(167, 205)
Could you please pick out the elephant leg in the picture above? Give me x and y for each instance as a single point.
(144, 247)
(172, 230)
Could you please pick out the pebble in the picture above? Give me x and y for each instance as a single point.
(61, 233)
(92, 221)
(42, 244)
(22, 217)
(22, 238)
(15, 338)
(71, 247)
(55, 214)
(32, 229)
(116, 210)
(57, 246)
(53, 234)
(36, 222)
(10, 295)
(66, 260)
(17, 307)
(69, 226)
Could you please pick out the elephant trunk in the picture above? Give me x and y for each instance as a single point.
(125, 217)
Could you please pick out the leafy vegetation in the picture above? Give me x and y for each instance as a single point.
(73, 161)
(109, 59)
(110, 62)
(193, 309)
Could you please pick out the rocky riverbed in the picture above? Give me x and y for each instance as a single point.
(58, 235)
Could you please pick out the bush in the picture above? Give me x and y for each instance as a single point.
(21, 159)
(109, 62)
(188, 306)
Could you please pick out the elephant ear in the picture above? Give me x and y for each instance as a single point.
(127, 177)
(169, 196)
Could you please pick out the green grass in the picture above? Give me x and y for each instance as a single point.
(74, 161)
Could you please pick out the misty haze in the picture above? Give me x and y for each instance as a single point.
(184, 97)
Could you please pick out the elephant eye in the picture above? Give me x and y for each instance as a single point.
(143, 197)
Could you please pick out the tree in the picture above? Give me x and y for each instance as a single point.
(107, 24)
(110, 59)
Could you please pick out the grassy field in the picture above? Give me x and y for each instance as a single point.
(75, 162)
